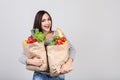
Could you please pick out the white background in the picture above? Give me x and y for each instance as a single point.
(91, 25)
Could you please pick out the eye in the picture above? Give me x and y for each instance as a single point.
(43, 20)
(49, 19)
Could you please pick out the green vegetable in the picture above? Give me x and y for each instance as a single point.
(55, 37)
(51, 43)
(53, 40)
(39, 36)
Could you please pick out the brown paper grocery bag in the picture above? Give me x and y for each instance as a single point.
(33, 49)
(57, 56)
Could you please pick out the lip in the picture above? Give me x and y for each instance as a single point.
(47, 26)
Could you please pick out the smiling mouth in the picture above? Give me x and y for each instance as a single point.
(46, 26)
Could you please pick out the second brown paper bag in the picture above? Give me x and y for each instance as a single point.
(57, 56)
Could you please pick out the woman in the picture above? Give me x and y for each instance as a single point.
(43, 22)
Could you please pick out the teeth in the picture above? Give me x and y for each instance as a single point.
(47, 26)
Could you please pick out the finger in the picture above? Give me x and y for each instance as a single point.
(61, 70)
(40, 65)
(38, 56)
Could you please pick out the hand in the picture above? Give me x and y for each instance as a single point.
(67, 66)
(64, 68)
(35, 61)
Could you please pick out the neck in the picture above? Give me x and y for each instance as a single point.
(46, 32)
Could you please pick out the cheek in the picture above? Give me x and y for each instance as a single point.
(50, 22)
(42, 24)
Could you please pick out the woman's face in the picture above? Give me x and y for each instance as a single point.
(46, 23)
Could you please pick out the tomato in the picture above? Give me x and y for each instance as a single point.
(31, 39)
(63, 39)
(58, 41)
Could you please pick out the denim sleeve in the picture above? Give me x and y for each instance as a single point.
(22, 59)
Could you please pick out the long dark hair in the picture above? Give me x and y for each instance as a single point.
(38, 19)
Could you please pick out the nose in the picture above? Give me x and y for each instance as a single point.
(47, 22)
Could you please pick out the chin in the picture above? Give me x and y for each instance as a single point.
(47, 30)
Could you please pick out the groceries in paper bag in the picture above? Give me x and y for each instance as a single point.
(58, 53)
(34, 47)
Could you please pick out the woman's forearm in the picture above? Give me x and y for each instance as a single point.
(34, 61)
(69, 61)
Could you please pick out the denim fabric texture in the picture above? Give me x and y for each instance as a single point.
(41, 76)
